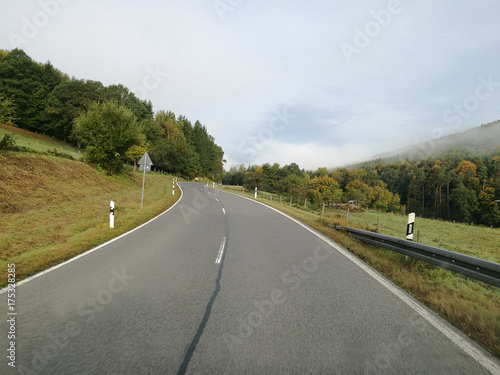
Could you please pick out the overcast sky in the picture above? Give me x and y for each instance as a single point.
(320, 83)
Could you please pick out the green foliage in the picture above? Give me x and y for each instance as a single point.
(107, 130)
(466, 201)
(67, 101)
(27, 84)
(235, 176)
(454, 187)
(324, 189)
(56, 152)
(135, 152)
(120, 94)
(40, 98)
(8, 143)
(178, 147)
(7, 111)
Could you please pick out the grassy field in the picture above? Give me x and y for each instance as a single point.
(480, 242)
(52, 209)
(38, 142)
(472, 306)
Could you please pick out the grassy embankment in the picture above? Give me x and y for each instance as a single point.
(52, 209)
(472, 306)
(39, 142)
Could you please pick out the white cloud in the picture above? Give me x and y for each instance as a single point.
(232, 73)
(314, 154)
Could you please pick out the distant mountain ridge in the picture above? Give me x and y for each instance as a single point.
(479, 141)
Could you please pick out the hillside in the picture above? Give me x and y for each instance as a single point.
(110, 123)
(38, 142)
(479, 141)
(52, 209)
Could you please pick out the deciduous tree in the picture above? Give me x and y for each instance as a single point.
(107, 130)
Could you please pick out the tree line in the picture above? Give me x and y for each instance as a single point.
(318, 187)
(111, 123)
(455, 186)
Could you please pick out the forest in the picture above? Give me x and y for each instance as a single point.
(110, 123)
(113, 126)
(454, 187)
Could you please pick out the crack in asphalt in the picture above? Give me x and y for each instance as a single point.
(208, 310)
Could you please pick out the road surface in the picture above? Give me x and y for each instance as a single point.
(220, 284)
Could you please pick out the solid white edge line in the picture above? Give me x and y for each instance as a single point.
(221, 250)
(453, 334)
(24, 281)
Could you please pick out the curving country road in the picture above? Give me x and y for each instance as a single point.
(220, 284)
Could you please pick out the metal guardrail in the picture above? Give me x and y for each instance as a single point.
(479, 269)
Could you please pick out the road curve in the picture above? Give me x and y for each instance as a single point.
(220, 284)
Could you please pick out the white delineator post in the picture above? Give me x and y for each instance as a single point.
(410, 226)
(111, 214)
(256, 192)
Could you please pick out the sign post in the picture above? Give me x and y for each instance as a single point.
(410, 226)
(144, 165)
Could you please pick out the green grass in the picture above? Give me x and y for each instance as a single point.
(472, 306)
(52, 209)
(39, 142)
(480, 242)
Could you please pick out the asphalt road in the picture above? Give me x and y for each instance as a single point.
(220, 284)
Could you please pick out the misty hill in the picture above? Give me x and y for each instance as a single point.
(483, 140)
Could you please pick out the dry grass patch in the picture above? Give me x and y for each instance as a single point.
(52, 209)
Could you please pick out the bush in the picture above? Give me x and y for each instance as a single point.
(8, 143)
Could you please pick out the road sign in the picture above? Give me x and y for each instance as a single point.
(145, 163)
